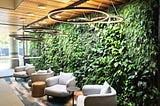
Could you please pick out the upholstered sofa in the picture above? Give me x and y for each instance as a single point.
(57, 85)
(40, 75)
(97, 95)
(23, 71)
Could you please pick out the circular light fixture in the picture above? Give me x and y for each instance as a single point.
(113, 19)
(25, 37)
(28, 38)
(30, 14)
(77, 20)
(41, 30)
(13, 34)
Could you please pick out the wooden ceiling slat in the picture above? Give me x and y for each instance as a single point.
(31, 6)
(90, 5)
(47, 3)
(19, 14)
(97, 4)
(105, 2)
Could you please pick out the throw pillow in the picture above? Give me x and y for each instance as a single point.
(64, 77)
(28, 66)
(49, 70)
(106, 88)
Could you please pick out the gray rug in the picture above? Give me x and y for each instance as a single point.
(23, 91)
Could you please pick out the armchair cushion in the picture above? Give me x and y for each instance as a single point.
(91, 89)
(64, 77)
(52, 80)
(71, 82)
(19, 68)
(105, 88)
(29, 70)
(57, 90)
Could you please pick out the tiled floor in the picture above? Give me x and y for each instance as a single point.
(5, 69)
(23, 89)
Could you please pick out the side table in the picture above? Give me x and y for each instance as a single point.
(72, 89)
(38, 88)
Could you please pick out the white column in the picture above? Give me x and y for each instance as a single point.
(13, 52)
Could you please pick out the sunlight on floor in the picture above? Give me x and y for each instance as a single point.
(4, 64)
(5, 69)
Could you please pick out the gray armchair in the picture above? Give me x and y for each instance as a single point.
(23, 71)
(57, 85)
(97, 95)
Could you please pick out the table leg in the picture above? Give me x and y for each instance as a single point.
(73, 98)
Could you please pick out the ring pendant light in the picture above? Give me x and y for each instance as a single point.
(41, 30)
(51, 15)
(104, 18)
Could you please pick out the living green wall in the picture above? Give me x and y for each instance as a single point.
(122, 54)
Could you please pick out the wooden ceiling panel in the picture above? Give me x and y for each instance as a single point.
(93, 4)
(28, 13)
(105, 2)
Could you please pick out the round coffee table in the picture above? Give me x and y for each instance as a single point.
(72, 89)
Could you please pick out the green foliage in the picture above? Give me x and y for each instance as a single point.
(4, 39)
(123, 54)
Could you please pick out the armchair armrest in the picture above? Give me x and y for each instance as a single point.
(80, 100)
(109, 99)
(91, 89)
(29, 70)
(19, 68)
(52, 80)
(97, 100)
(71, 82)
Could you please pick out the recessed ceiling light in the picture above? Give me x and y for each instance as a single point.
(30, 14)
(41, 6)
(43, 22)
(57, 16)
(64, 1)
